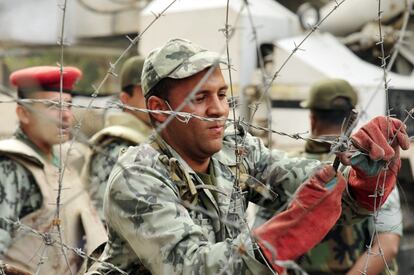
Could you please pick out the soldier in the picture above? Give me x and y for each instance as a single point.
(173, 206)
(29, 178)
(122, 129)
(342, 250)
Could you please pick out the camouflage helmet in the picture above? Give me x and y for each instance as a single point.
(131, 71)
(178, 58)
(324, 92)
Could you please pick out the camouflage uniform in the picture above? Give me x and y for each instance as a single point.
(344, 244)
(19, 193)
(29, 183)
(151, 231)
(121, 131)
(163, 218)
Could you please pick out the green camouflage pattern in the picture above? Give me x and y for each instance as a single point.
(19, 196)
(177, 59)
(131, 71)
(107, 146)
(101, 166)
(19, 193)
(162, 218)
(345, 243)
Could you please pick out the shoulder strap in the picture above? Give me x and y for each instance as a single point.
(119, 131)
(20, 150)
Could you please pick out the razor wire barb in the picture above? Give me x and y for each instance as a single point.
(298, 47)
(123, 106)
(190, 116)
(61, 168)
(395, 51)
(379, 189)
(112, 66)
(184, 117)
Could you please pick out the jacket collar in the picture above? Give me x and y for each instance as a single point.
(129, 121)
(315, 147)
(37, 153)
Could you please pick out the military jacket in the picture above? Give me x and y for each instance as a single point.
(121, 131)
(162, 219)
(77, 217)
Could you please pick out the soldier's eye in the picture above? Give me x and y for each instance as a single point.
(222, 95)
(199, 99)
(51, 105)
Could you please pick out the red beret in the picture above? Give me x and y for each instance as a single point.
(45, 78)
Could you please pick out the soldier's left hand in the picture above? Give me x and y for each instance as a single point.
(381, 138)
(379, 142)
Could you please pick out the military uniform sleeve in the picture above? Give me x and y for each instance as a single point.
(283, 175)
(275, 169)
(19, 196)
(101, 165)
(144, 208)
(389, 218)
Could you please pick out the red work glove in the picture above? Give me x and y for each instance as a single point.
(367, 174)
(307, 220)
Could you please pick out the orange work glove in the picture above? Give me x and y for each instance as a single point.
(367, 174)
(307, 220)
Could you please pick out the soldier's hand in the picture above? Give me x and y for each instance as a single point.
(381, 138)
(316, 206)
(379, 142)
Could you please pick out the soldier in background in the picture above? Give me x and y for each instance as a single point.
(29, 178)
(343, 250)
(122, 129)
(175, 206)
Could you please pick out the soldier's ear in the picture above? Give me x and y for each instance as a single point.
(312, 120)
(23, 114)
(156, 103)
(124, 97)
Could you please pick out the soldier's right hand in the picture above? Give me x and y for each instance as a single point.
(311, 214)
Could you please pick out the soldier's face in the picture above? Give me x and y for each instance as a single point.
(43, 120)
(137, 100)
(199, 139)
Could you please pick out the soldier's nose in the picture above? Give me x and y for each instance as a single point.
(217, 107)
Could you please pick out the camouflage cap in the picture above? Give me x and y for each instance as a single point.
(177, 59)
(323, 93)
(131, 71)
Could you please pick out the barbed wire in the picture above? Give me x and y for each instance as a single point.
(188, 116)
(395, 51)
(298, 47)
(112, 66)
(159, 129)
(61, 167)
(49, 241)
(120, 105)
(184, 117)
(379, 188)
